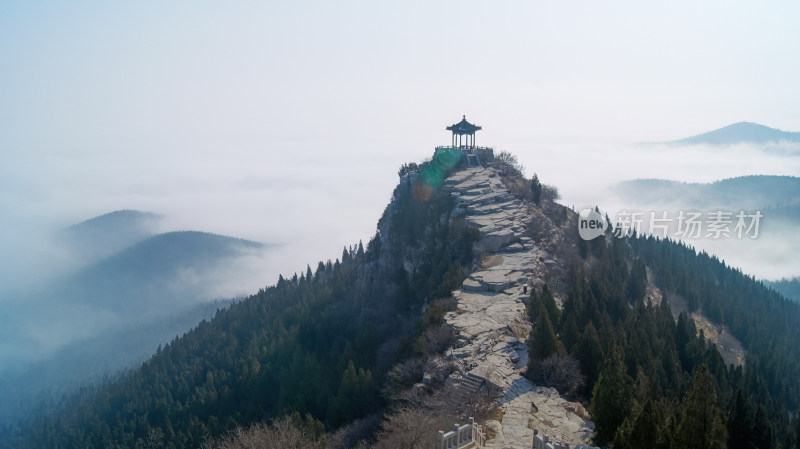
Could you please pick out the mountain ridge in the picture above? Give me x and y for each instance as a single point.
(151, 267)
(737, 133)
(741, 191)
(104, 235)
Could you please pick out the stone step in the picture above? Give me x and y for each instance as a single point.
(475, 377)
(471, 384)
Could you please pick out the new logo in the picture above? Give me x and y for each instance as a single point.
(591, 224)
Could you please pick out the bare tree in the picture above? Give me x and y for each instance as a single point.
(439, 338)
(550, 193)
(281, 433)
(155, 440)
(561, 372)
(539, 227)
(354, 435)
(511, 160)
(412, 428)
(406, 373)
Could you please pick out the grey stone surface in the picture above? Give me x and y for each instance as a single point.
(491, 322)
(514, 247)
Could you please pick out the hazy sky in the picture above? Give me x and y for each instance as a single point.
(286, 122)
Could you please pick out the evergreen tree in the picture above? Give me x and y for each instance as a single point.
(636, 287)
(647, 428)
(570, 335)
(796, 431)
(347, 401)
(701, 425)
(589, 353)
(536, 188)
(644, 433)
(549, 302)
(360, 251)
(544, 341)
(740, 423)
(761, 436)
(612, 397)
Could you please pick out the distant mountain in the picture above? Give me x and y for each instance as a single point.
(157, 277)
(162, 271)
(777, 193)
(116, 311)
(772, 254)
(742, 132)
(102, 236)
(790, 288)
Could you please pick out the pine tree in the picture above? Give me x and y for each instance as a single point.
(796, 431)
(636, 287)
(570, 335)
(701, 425)
(612, 397)
(740, 423)
(647, 428)
(536, 188)
(761, 437)
(360, 251)
(544, 341)
(644, 433)
(345, 406)
(589, 353)
(550, 305)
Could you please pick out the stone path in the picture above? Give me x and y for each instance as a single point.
(491, 321)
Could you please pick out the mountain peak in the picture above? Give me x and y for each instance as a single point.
(104, 235)
(741, 132)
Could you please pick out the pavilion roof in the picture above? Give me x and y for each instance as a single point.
(463, 127)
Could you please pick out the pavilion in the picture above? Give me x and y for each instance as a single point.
(465, 132)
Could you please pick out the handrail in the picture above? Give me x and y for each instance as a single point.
(462, 147)
(462, 436)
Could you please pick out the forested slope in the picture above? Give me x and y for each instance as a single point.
(657, 381)
(318, 343)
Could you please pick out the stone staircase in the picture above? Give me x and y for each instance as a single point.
(491, 322)
(471, 157)
(467, 387)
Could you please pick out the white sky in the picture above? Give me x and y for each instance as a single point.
(286, 121)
